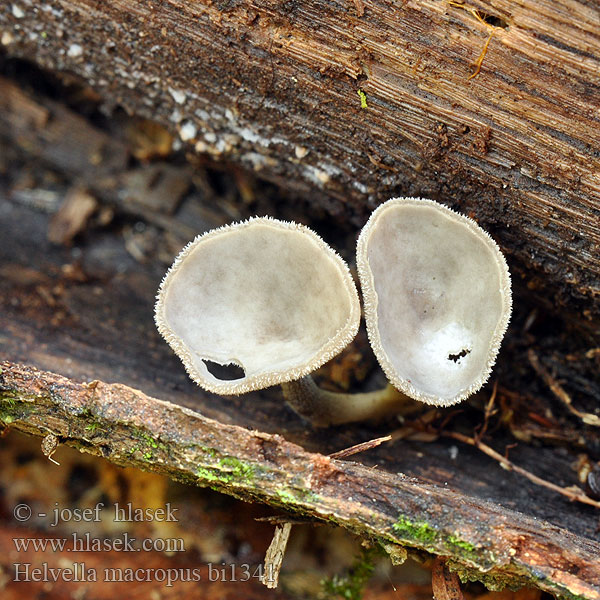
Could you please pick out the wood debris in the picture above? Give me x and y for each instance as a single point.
(275, 554)
(72, 216)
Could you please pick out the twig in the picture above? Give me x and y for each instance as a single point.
(446, 585)
(573, 493)
(490, 411)
(479, 61)
(281, 519)
(360, 447)
(360, 7)
(559, 392)
(275, 554)
(490, 28)
(190, 447)
(49, 445)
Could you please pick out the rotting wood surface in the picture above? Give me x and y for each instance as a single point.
(86, 312)
(275, 87)
(129, 428)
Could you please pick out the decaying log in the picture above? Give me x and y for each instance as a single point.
(86, 312)
(362, 101)
(125, 426)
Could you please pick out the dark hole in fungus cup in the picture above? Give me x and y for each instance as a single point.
(459, 355)
(256, 303)
(229, 372)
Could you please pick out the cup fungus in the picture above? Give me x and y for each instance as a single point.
(268, 296)
(437, 298)
(274, 299)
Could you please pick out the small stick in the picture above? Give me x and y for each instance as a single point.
(360, 7)
(559, 392)
(281, 519)
(446, 585)
(479, 61)
(490, 411)
(573, 493)
(49, 446)
(360, 447)
(275, 554)
(491, 29)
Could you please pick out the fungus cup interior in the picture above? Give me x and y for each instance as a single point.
(268, 296)
(437, 298)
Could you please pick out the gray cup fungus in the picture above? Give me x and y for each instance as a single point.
(437, 298)
(268, 296)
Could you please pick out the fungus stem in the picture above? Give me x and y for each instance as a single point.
(323, 408)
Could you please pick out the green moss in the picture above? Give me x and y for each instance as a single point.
(463, 549)
(418, 531)
(228, 470)
(147, 446)
(295, 497)
(11, 403)
(92, 427)
(206, 474)
(462, 544)
(286, 497)
(238, 470)
(10, 407)
(24, 404)
(423, 535)
(352, 585)
(208, 451)
(148, 439)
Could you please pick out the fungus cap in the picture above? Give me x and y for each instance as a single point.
(437, 298)
(268, 296)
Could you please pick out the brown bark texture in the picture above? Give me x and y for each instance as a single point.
(354, 102)
(125, 426)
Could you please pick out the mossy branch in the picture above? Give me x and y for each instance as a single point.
(481, 539)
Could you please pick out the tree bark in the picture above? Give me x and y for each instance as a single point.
(275, 86)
